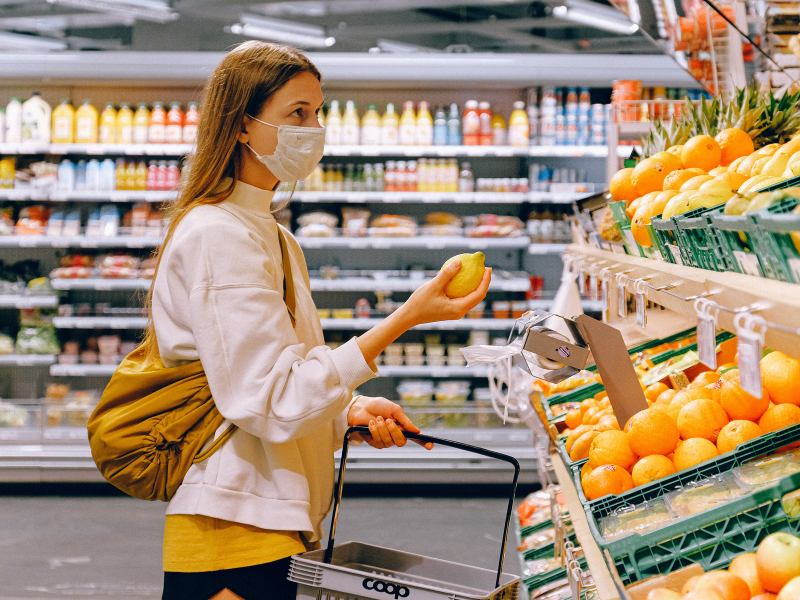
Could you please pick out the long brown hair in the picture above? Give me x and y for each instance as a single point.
(241, 84)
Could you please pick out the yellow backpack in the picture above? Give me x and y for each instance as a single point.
(152, 421)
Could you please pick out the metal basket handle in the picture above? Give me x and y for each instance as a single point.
(337, 499)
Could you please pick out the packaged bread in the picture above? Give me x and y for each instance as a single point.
(318, 218)
(607, 226)
(442, 218)
(393, 226)
(493, 226)
(354, 222)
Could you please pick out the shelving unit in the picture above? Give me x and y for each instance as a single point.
(15, 301)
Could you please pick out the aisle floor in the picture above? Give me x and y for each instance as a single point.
(104, 548)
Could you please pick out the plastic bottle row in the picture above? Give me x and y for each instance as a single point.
(33, 121)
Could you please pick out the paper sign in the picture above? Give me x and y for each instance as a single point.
(750, 352)
(676, 253)
(748, 262)
(641, 307)
(622, 300)
(707, 340)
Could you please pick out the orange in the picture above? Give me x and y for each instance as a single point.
(639, 202)
(651, 468)
(744, 566)
(683, 397)
(606, 479)
(703, 595)
(573, 419)
(621, 186)
(778, 417)
(677, 178)
(781, 378)
(771, 358)
(578, 432)
(733, 143)
(765, 596)
(732, 178)
(587, 416)
(746, 165)
(727, 585)
(692, 452)
(676, 150)
(642, 217)
(695, 182)
(586, 405)
(701, 151)
(735, 433)
(666, 396)
(654, 391)
(718, 171)
(702, 419)
(580, 449)
(586, 469)
(689, 585)
(705, 378)
(648, 176)
(672, 160)
(739, 404)
(612, 448)
(734, 166)
(599, 415)
(610, 421)
(652, 432)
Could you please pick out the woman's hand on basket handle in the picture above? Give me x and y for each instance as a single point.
(386, 422)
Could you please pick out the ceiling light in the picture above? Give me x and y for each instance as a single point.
(17, 41)
(144, 10)
(287, 32)
(595, 16)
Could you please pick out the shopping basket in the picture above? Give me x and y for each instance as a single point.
(356, 571)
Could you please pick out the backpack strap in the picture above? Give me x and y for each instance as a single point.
(289, 297)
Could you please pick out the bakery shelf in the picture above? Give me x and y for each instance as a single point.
(26, 360)
(776, 301)
(100, 322)
(82, 370)
(428, 242)
(79, 241)
(362, 324)
(426, 371)
(28, 301)
(96, 283)
(368, 284)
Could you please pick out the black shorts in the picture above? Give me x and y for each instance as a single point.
(259, 582)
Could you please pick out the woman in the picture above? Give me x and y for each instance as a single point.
(232, 290)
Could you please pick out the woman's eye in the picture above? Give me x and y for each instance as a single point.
(298, 112)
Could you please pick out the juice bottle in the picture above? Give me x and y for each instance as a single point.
(440, 127)
(333, 125)
(371, 126)
(141, 124)
(499, 137)
(518, 129)
(161, 176)
(390, 127)
(14, 121)
(120, 174)
(351, 125)
(130, 176)
(173, 132)
(108, 124)
(424, 130)
(453, 127)
(86, 123)
(173, 175)
(123, 127)
(152, 176)
(64, 123)
(471, 125)
(36, 120)
(190, 122)
(408, 125)
(158, 124)
(485, 115)
(140, 176)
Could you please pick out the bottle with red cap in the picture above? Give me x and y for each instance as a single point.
(485, 116)
(190, 122)
(173, 132)
(158, 124)
(173, 175)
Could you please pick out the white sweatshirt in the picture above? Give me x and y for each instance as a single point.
(218, 297)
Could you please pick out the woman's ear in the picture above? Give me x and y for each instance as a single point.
(244, 135)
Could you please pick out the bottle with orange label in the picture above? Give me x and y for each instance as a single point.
(86, 123)
(485, 116)
(471, 124)
(123, 127)
(156, 134)
(64, 123)
(173, 133)
(190, 122)
(408, 125)
(108, 122)
(141, 124)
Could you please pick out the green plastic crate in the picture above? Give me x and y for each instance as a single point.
(711, 538)
(624, 226)
(696, 232)
(772, 241)
(577, 395)
(529, 529)
(664, 231)
(733, 236)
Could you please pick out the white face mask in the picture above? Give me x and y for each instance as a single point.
(297, 154)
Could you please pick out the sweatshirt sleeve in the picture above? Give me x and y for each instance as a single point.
(262, 378)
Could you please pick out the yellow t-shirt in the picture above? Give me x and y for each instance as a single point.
(196, 543)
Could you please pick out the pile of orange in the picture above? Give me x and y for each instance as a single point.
(682, 428)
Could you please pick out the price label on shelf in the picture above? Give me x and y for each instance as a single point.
(604, 300)
(748, 262)
(794, 265)
(676, 253)
(750, 352)
(641, 310)
(593, 287)
(622, 300)
(707, 340)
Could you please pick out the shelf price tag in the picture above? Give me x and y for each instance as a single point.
(641, 303)
(707, 331)
(750, 331)
(622, 294)
(581, 279)
(593, 287)
(605, 274)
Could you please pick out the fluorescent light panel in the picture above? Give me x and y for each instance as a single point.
(594, 18)
(16, 41)
(279, 30)
(144, 10)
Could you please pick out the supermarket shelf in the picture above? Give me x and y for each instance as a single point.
(362, 324)
(26, 360)
(80, 241)
(86, 196)
(100, 284)
(368, 284)
(82, 370)
(425, 371)
(28, 301)
(63, 454)
(634, 128)
(778, 302)
(100, 322)
(547, 248)
(429, 242)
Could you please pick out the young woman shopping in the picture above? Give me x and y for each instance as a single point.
(232, 290)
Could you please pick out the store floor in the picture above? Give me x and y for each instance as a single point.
(104, 548)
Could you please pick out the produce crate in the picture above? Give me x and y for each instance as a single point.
(529, 529)
(733, 234)
(664, 232)
(577, 395)
(697, 233)
(624, 226)
(772, 240)
(711, 538)
(765, 444)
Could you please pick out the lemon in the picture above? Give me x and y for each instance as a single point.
(468, 278)
(776, 166)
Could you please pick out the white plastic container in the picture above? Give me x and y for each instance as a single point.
(36, 115)
(14, 122)
(66, 176)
